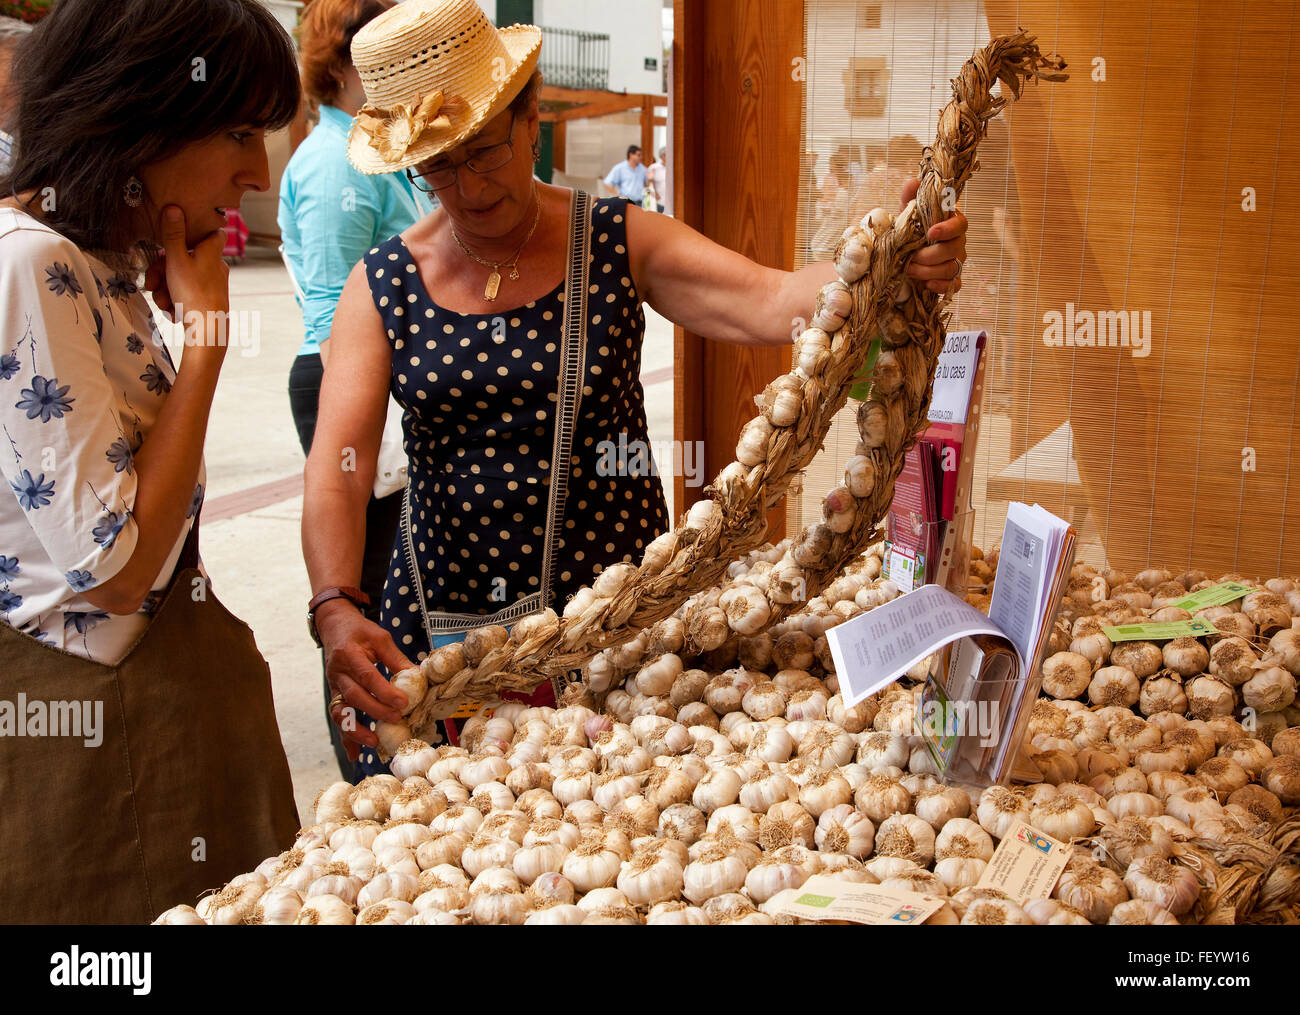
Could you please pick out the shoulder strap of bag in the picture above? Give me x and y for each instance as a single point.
(573, 354)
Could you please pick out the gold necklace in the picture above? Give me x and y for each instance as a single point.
(494, 279)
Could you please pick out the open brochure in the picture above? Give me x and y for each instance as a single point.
(975, 707)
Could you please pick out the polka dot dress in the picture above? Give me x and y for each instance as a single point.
(480, 394)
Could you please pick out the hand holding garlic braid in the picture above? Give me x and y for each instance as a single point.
(872, 297)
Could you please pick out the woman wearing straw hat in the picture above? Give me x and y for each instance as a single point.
(508, 324)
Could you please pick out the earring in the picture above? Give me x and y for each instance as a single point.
(537, 153)
(133, 193)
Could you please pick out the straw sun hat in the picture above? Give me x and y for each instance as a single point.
(434, 71)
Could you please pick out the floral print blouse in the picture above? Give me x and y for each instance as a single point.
(83, 376)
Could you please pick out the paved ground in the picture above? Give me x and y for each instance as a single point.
(254, 503)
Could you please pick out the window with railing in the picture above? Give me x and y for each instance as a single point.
(575, 59)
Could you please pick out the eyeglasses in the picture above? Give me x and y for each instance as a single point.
(485, 160)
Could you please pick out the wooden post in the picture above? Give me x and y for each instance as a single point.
(736, 123)
(647, 129)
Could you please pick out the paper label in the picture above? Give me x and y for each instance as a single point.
(954, 377)
(1216, 595)
(1165, 631)
(827, 898)
(879, 646)
(938, 722)
(903, 567)
(1026, 865)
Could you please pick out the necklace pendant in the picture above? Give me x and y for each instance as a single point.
(493, 284)
(514, 274)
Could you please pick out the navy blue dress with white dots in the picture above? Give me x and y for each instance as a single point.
(486, 537)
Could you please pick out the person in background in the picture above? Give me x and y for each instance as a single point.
(12, 32)
(657, 179)
(627, 179)
(330, 215)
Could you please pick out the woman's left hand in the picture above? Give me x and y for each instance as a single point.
(939, 263)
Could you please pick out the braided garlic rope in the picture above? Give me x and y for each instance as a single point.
(873, 298)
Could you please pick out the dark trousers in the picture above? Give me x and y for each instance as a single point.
(382, 518)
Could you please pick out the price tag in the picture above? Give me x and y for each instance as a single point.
(1216, 595)
(826, 898)
(1165, 631)
(1026, 865)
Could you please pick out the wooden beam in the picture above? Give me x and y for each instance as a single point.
(618, 104)
(647, 134)
(733, 92)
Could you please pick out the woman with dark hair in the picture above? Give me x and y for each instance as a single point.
(150, 766)
(330, 215)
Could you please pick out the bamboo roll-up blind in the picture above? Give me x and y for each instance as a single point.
(1132, 255)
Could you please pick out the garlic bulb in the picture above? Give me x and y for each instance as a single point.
(1066, 675)
(994, 912)
(1114, 685)
(958, 872)
(1063, 818)
(1141, 912)
(1132, 837)
(233, 904)
(760, 793)
(1281, 777)
(1186, 656)
(715, 872)
(939, 804)
(1000, 809)
(1053, 912)
(906, 836)
(1170, 886)
(1091, 889)
(738, 819)
(677, 913)
(841, 829)
(770, 876)
(881, 796)
(824, 790)
(883, 750)
(592, 864)
(649, 878)
(718, 788)
(683, 822)
(374, 796)
(325, 909)
(786, 823)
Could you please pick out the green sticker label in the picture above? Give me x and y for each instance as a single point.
(1216, 595)
(1160, 632)
(862, 390)
(820, 901)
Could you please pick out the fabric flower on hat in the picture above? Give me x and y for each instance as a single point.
(392, 132)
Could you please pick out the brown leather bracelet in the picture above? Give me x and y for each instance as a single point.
(357, 597)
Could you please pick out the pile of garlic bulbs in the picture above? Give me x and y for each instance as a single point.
(716, 781)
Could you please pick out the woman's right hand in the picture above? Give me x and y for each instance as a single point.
(192, 282)
(353, 647)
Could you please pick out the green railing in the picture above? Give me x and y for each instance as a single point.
(574, 59)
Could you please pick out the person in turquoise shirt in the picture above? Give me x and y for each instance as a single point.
(330, 216)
